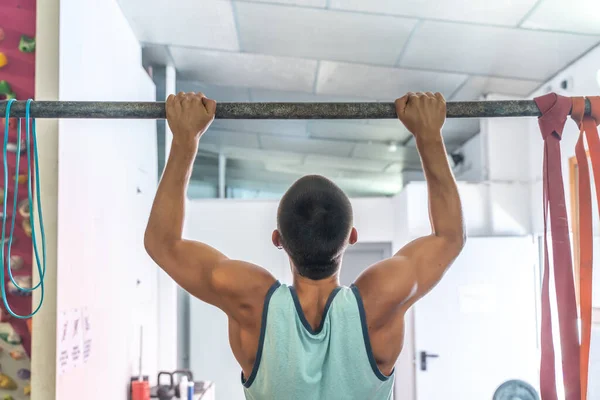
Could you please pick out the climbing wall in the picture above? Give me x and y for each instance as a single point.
(17, 80)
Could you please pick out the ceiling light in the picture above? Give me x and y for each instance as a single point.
(392, 147)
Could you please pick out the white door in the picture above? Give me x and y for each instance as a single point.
(478, 327)
(361, 256)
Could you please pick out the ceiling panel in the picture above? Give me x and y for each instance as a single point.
(351, 164)
(302, 145)
(245, 164)
(244, 153)
(480, 11)
(456, 131)
(178, 22)
(381, 83)
(322, 34)
(493, 51)
(155, 55)
(571, 16)
(478, 86)
(357, 130)
(468, 126)
(276, 127)
(392, 124)
(301, 3)
(278, 95)
(218, 93)
(228, 138)
(245, 70)
(377, 151)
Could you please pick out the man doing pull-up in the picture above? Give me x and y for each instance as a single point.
(315, 339)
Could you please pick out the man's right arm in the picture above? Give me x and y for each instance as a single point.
(393, 285)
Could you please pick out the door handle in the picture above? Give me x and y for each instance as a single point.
(423, 357)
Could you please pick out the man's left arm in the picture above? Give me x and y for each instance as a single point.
(203, 271)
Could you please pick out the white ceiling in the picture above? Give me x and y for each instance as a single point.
(352, 50)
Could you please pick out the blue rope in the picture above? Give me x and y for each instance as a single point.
(30, 131)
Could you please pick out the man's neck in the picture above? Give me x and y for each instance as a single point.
(315, 289)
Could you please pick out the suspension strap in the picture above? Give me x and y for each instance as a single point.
(555, 110)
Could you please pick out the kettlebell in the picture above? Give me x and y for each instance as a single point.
(165, 392)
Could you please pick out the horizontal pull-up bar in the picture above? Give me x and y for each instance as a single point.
(156, 110)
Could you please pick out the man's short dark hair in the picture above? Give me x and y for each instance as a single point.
(314, 220)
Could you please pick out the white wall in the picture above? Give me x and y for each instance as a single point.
(43, 340)
(100, 215)
(405, 368)
(486, 214)
(242, 229)
(488, 209)
(474, 168)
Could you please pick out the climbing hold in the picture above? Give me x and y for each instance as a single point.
(5, 242)
(16, 262)
(27, 390)
(24, 374)
(27, 44)
(12, 123)
(3, 60)
(22, 179)
(12, 147)
(8, 397)
(17, 355)
(4, 316)
(27, 227)
(22, 281)
(1, 197)
(5, 87)
(7, 383)
(24, 208)
(1, 34)
(11, 337)
(6, 92)
(7, 96)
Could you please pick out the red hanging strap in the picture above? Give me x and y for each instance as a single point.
(585, 231)
(555, 110)
(588, 128)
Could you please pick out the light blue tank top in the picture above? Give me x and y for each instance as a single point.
(295, 362)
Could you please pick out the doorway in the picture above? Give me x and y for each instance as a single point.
(359, 257)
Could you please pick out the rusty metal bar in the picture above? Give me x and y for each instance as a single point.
(156, 110)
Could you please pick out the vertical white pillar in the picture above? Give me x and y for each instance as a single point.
(43, 345)
(168, 314)
(170, 88)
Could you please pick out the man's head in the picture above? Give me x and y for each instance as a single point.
(314, 226)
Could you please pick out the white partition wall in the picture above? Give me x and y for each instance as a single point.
(101, 178)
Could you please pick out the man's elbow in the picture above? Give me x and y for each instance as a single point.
(150, 243)
(156, 246)
(455, 240)
(458, 241)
